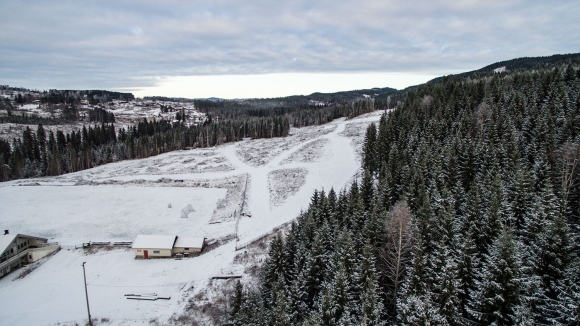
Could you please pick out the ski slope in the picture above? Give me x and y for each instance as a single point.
(117, 201)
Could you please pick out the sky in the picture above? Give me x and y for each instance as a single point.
(258, 48)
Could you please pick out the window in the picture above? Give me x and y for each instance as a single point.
(185, 248)
(155, 251)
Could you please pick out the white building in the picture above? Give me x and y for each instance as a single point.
(161, 246)
(19, 249)
(153, 246)
(190, 245)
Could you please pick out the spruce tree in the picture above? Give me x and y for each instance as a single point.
(500, 294)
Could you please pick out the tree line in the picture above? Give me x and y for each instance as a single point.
(40, 153)
(468, 213)
(298, 115)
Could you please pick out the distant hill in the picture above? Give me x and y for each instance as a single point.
(523, 63)
(328, 98)
(520, 63)
(337, 97)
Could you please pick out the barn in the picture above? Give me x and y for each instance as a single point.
(188, 245)
(153, 246)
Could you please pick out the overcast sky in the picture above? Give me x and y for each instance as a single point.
(270, 48)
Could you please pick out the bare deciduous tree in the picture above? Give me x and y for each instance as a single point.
(568, 156)
(426, 101)
(396, 251)
(482, 115)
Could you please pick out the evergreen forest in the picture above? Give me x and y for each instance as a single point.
(467, 212)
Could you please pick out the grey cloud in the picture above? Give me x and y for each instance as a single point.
(115, 44)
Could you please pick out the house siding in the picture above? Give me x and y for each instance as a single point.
(177, 250)
(140, 252)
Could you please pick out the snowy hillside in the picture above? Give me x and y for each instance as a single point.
(264, 182)
(127, 113)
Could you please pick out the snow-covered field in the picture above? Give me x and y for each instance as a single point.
(269, 181)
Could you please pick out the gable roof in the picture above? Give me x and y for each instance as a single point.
(154, 242)
(5, 241)
(189, 242)
(31, 237)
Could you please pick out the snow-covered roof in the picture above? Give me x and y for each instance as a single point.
(30, 236)
(5, 241)
(183, 242)
(154, 241)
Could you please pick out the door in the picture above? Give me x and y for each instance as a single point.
(146, 254)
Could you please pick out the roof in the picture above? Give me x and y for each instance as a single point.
(183, 242)
(31, 236)
(154, 242)
(5, 241)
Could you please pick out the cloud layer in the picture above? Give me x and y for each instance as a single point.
(129, 44)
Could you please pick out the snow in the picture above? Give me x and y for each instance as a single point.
(154, 241)
(500, 69)
(267, 182)
(5, 241)
(72, 215)
(285, 182)
(183, 242)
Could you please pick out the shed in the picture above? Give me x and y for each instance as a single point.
(153, 246)
(183, 245)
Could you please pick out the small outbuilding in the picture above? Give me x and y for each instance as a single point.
(153, 246)
(188, 245)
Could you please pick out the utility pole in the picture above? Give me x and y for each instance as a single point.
(87, 295)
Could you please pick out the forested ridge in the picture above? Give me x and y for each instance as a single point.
(468, 214)
(298, 112)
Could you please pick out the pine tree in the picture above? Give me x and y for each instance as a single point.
(501, 286)
(336, 298)
(367, 300)
(369, 147)
(552, 261)
(272, 270)
(278, 311)
(367, 190)
(236, 303)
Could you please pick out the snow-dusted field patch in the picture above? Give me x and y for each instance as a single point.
(262, 151)
(174, 163)
(284, 183)
(75, 214)
(310, 152)
(356, 132)
(236, 191)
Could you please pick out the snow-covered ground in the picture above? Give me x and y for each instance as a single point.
(127, 114)
(271, 179)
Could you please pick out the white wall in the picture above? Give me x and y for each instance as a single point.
(139, 253)
(38, 253)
